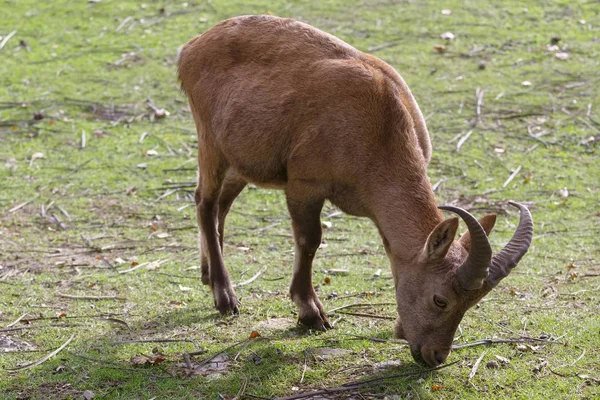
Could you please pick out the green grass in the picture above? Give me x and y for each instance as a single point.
(77, 77)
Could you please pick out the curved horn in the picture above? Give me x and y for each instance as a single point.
(474, 270)
(511, 254)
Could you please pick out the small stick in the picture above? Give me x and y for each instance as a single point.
(304, 369)
(512, 176)
(496, 341)
(70, 296)
(208, 359)
(479, 94)
(123, 23)
(359, 305)
(83, 139)
(19, 206)
(259, 273)
(358, 385)
(7, 38)
(19, 328)
(368, 315)
(36, 363)
(463, 140)
(16, 321)
(65, 213)
(165, 194)
(476, 366)
(382, 46)
(134, 268)
(160, 341)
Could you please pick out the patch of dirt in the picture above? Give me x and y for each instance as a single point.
(48, 391)
(217, 366)
(327, 353)
(275, 324)
(9, 344)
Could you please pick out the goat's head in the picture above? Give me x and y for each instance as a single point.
(451, 276)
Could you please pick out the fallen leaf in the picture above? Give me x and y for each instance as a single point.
(152, 359)
(163, 235)
(437, 387)
(134, 263)
(61, 315)
(327, 280)
(562, 56)
(439, 48)
(492, 364)
(254, 334)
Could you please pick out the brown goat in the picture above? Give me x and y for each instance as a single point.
(284, 105)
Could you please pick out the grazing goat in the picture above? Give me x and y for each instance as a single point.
(284, 105)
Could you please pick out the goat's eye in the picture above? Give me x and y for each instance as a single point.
(440, 301)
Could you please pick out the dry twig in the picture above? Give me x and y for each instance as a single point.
(46, 358)
(71, 296)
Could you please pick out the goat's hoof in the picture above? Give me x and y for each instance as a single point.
(205, 279)
(204, 275)
(226, 302)
(314, 317)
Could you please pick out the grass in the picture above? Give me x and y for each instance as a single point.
(92, 211)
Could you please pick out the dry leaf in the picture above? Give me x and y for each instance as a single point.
(61, 315)
(152, 359)
(254, 334)
(439, 48)
(437, 387)
(327, 280)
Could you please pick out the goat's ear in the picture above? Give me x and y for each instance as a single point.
(487, 223)
(440, 239)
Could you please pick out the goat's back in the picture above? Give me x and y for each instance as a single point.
(278, 98)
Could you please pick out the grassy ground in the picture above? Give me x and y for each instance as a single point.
(92, 183)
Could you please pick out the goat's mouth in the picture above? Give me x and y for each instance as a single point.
(427, 356)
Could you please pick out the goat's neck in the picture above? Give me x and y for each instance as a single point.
(406, 213)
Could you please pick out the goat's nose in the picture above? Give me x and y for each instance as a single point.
(441, 355)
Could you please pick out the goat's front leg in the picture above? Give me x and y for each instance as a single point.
(305, 213)
(213, 267)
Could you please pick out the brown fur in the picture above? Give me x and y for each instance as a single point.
(281, 104)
